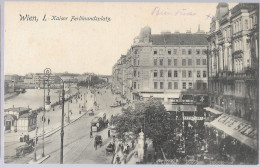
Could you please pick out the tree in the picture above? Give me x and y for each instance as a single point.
(150, 116)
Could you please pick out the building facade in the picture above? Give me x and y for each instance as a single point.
(163, 65)
(233, 61)
(233, 70)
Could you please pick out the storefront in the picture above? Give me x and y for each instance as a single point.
(235, 138)
(27, 122)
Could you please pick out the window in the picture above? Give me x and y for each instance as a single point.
(134, 62)
(169, 62)
(183, 51)
(198, 86)
(204, 51)
(138, 62)
(161, 62)
(134, 85)
(161, 51)
(175, 73)
(161, 73)
(155, 73)
(189, 51)
(169, 85)
(189, 74)
(190, 85)
(175, 62)
(161, 85)
(204, 86)
(197, 51)
(174, 51)
(155, 52)
(183, 62)
(183, 74)
(204, 74)
(169, 52)
(175, 85)
(198, 74)
(184, 85)
(246, 24)
(170, 73)
(204, 61)
(198, 62)
(189, 62)
(138, 74)
(155, 85)
(134, 73)
(155, 62)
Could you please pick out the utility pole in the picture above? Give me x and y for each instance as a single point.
(69, 103)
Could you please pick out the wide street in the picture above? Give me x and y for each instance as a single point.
(78, 146)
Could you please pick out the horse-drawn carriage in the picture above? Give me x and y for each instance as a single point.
(110, 149)
(98, 141)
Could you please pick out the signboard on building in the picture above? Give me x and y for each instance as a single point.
(192, 118)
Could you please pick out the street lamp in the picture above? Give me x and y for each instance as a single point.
(47, 106)
(47, 73)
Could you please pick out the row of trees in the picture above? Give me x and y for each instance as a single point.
(151, 116)
(95, 80)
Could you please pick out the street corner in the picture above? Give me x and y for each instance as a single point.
(39, 159)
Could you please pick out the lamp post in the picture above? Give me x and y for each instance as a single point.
(47, 73)
(35, 159)
(46, 105)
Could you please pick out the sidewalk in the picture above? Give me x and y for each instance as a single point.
(55, 118)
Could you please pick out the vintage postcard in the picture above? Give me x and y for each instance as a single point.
(131, 83)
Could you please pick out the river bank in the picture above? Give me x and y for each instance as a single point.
(10, 95)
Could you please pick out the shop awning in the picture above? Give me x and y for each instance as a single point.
(214, 111)
(238, 129)
(185, 108)
(160, 95)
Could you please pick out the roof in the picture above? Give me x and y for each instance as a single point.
(28, 115)
(179, 39)
(18, 109)
(10, 117)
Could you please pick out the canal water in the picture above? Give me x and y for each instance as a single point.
(32, 98)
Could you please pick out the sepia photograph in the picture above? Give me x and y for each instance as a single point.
(131, 83)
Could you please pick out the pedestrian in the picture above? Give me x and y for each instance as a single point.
(91, 134)
(48, 121)
(127, 148)
(95, 145)
(133, 143)
(118, 159)
(44, 119)
(24, 138)
(108, 133)
(36, 139)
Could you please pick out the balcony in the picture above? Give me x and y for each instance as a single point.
(238, 54)
(221, 40)
(237, 34)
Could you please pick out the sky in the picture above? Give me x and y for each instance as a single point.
(88, 46)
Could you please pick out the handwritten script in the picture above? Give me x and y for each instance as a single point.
(31, 18)
(157, 11)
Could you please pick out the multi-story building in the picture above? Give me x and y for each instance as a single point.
(233, 70)
(118, 74)
(163, 65)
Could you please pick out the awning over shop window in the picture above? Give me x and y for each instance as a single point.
(160, 95)
(238, 129)
(186, 108)
(213, 111)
